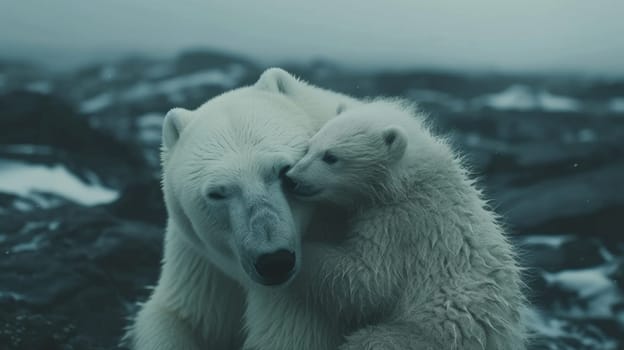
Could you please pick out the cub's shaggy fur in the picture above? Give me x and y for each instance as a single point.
(425, 265)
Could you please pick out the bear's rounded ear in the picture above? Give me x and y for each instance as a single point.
(276, 80)
(395, 139)
(341, 108)
(175, 121)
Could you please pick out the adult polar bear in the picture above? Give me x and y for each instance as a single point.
(231, 229)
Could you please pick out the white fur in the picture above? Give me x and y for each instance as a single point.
(320, 104)
(235, 144)
(425, 265)
(455, 275)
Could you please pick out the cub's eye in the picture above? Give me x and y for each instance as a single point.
(216, 195)
(329, 158)
(283, 171)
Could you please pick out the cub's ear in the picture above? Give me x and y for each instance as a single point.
(276, 80)
(395, 139)
(175, 121)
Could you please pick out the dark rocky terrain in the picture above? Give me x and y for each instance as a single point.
(81, 213)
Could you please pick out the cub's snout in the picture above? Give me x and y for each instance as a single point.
(298, 186)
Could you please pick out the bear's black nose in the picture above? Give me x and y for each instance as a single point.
(275, 268)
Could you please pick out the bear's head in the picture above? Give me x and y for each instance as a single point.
(223, 171)
(352, 153)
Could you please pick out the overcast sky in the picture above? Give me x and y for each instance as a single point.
(545, 35)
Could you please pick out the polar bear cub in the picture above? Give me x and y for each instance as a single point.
(424, 264)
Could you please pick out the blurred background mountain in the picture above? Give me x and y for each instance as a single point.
(531, 93)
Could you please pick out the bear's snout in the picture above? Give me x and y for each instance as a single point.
(276, 267)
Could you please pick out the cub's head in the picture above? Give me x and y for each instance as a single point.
(351, 153)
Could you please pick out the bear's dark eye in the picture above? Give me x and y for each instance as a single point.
(216, 195)
(329, 158)
(283, 171)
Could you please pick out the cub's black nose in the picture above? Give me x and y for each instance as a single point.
(288, 182)
(275, 268)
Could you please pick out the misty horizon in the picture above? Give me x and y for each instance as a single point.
(532, 36)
